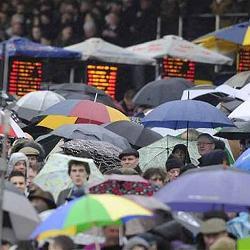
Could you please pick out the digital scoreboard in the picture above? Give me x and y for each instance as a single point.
(103, 77)
(243, 63)
(174, 67)
(24, 76)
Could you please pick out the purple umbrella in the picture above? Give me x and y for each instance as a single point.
(208, 188)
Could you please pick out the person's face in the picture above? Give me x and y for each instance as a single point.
(173, 174)
(31, 175)
(32, 160)
(204, 145)
(36, 33)
(78, 175)
(111, 232)
(180, 154)
(157, 180)
(209, 239)
(129, 161)
(20, 166)
(19, 182)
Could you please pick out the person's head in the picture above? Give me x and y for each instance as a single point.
(129, 158)
(42, 200)
(89, 29)
(111, 234)
(128, 98)
(36, 33)
(61, 243)
(32, 173)
(215, 157)
(180, 151)
(18, 179)
(155, 175)
(32, 155)
(18, 162)
(67, 33)
(173, 168)
(79, 172)
(212, 230)
(205, 143)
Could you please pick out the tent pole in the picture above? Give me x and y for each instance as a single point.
(3, 167)
(6, 68)
(72, 75)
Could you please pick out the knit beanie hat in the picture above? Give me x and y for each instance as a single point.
(173, 163)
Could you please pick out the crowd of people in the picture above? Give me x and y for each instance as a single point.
(126, 22)
(26, 160)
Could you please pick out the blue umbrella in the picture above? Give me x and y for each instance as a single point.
(206, 189)
(243, 162)
(19, 46)
(186, 114)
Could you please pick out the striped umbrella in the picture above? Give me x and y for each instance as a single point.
(88, 211)
(79, 111)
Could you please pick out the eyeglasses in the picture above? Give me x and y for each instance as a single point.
(204, 143)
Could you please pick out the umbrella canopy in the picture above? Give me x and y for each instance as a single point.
(82, 91)
(80, 111)
(160, 91)
(216, 188)
(13, 130)
(239, 80)
(136, 134)
(89, 211)
(178, 47)
(241, 112)
(243, 162)
(19, 46)
(33, 103)
(98, 49)
(186, 114)
(20, 215)
(54, 175)
(91, 132)
(238, 34)
(104, 154)
(123, 184)
(241, 131)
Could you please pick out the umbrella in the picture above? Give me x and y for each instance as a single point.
(175, 46)
(82, 91)
(104, 154)
(160, 91)
(19, 214)
(156, 154)
(33, 103)
(54, 175)
(14, 130)
(186, 114)
(241, 112)
(239, 80)
(241, 131)
(100, 50)
(238, 34)
(215, 188)
(123, 184)
(228, 106)
(89, 211)
(79, 111)
(243, 162)
(136, 134)
(91, 132)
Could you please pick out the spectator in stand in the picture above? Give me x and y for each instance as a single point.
(36, 34)
(127, 102)
(66, 37)
(156, 176)
(18, 179)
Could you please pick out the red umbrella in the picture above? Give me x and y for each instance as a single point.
(124, 185)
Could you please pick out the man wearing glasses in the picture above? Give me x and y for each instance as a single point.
(205, 144)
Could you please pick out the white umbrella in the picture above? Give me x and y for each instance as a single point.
(241, 112)
(33, 103)
(175, 46)
(98, 49)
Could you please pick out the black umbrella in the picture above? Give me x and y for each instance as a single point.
(160, 91)
(83, 92)
(242, 131)
(136, 134)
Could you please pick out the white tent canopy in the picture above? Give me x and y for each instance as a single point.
(175, 46)
(98, 49)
